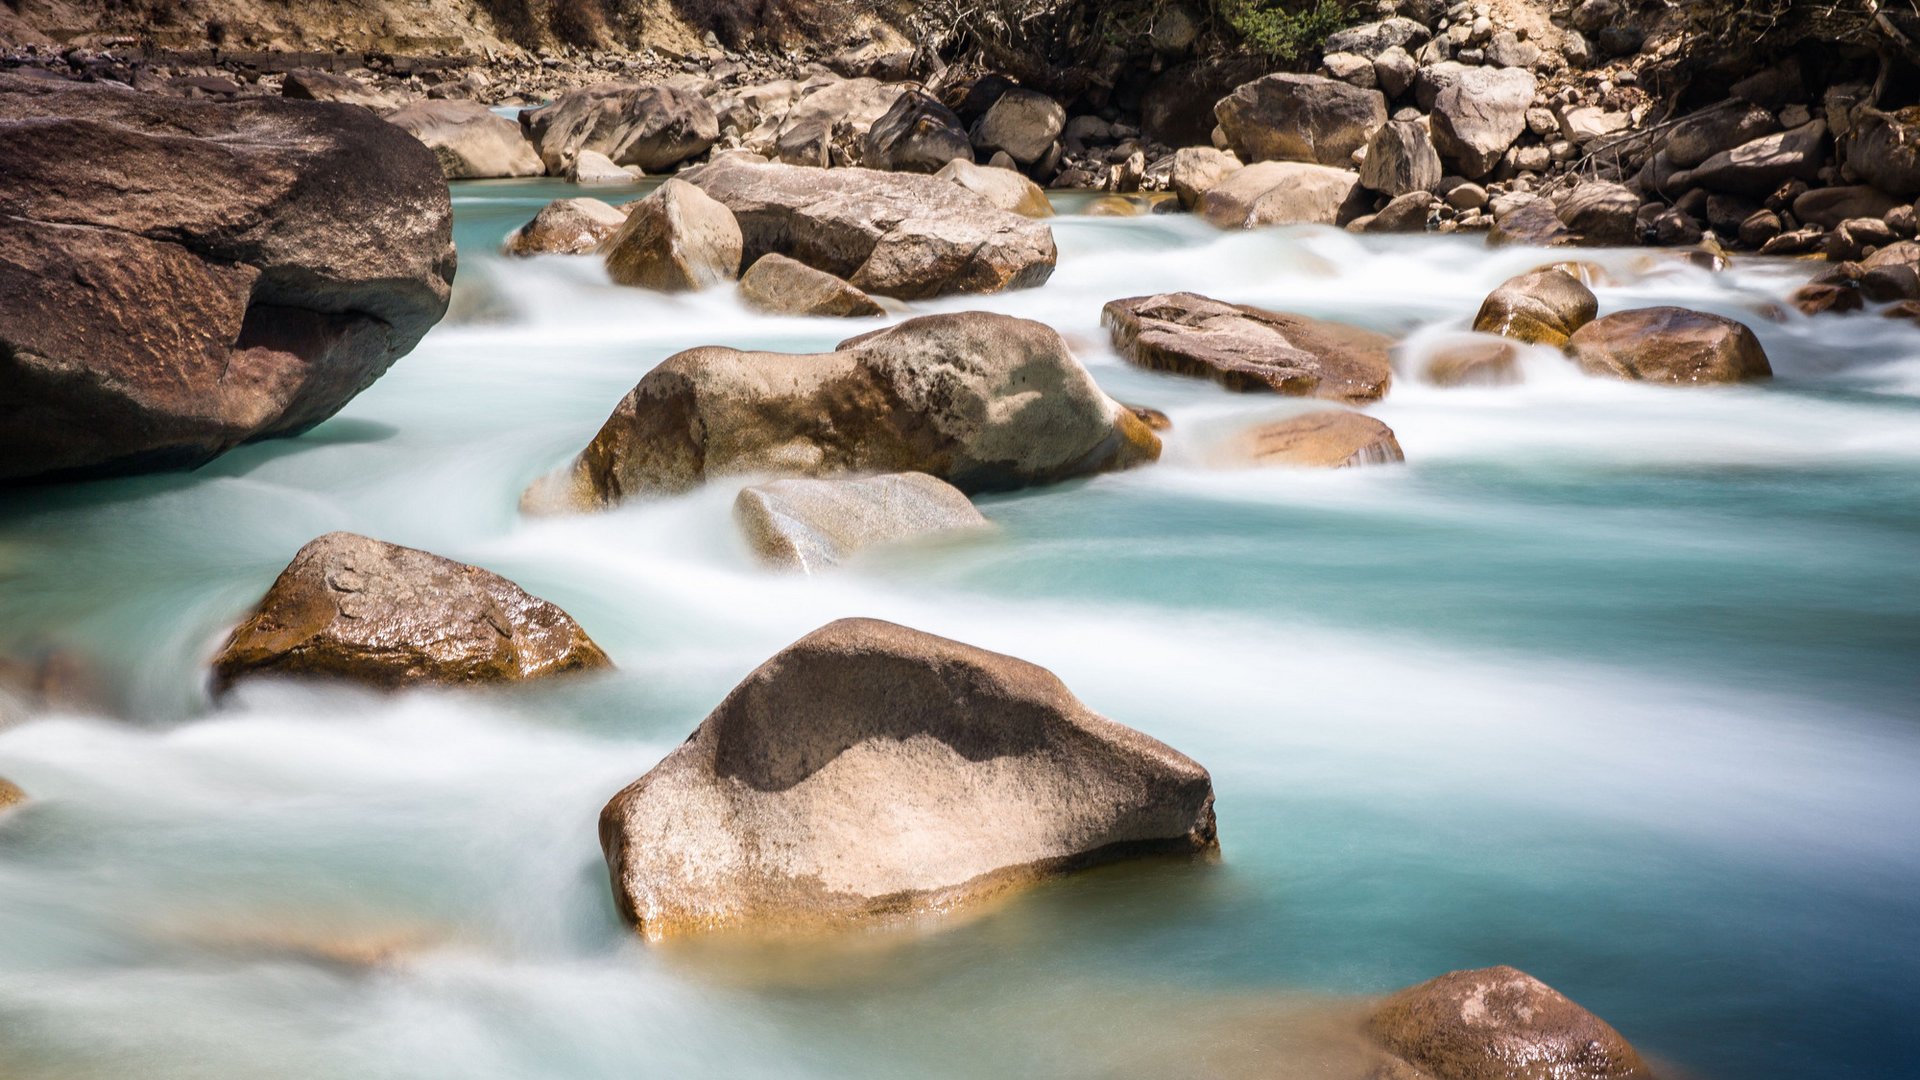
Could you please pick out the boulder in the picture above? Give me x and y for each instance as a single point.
(10, 794)
(1403, 214)
(1372, 39)
(808, 524)
(1196, 170)
(1024, 123)
(1759, 167)
(1350, 68)
(1394, 70)
(310, 85)
(1540, 307)
(895, 234)
(674, 240)
(870, 771)
(1400, 159)
(1499, 1023)
(1004, 188)
(594, 167)
(983, 401)
(1856, 238)
(1602, 212)
(1827, 207)
(1527, 219)
(1250, 349)
(652, 127)
(1279, 193)
(786, 286)
(1322, 439)
(1479, 114)
(567, 227)
(916, 134)
(828, 125)
(1717, 130)
(1287, 117)
(471, 141)
(1473, 360)
(1669, 345)
(351, 607)
(179, 277)
(1892, 273)
(1883, 148)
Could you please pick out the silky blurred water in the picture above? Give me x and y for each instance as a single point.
(1613, 683)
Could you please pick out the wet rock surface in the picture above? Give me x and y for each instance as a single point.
(810, 525)
(1669, 345)
(1251, 349)
(1500, 1023)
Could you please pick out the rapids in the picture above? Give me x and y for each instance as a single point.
(1612, 683)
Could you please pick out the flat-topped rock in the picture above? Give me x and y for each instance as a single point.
(470, 141)
(1004, 188)
(1322, 439)
(980, 400)
(352, 607)
(1279, 193)
(895, 234)
(789, 287)
(814, 524)
(871, 772)
(1669, 345)
(1500, 1023)
(1251, 349)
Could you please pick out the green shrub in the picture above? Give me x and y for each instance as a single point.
(1288, 30)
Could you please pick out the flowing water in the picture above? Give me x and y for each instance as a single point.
(1613, 683)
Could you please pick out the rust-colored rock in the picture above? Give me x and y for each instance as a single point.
(356, 608)
(1322, 439)
(1500, 1023)
(1251, 349)
(1540, 307)
(1669, 345)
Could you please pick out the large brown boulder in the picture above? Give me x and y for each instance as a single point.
(896, 234)
(1600, 211)
(1250, 349)
(1884, 149)
(1713, 131)
(789, 287)
(983, 401)
(1759, 167)
(180, 277)
(809, 524)
(1478, 114)
(870, 771)
(916, 134)
(567, 227)
(1322, 439)
(352, 607)
(1500, 1023)
(1540, 307)
(675, 240)
(1280, 193)
(470, 141)
(1288, 117)
(1196, 170)
(653, 127)
(1669, 345)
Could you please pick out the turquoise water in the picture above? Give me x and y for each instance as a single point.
(1612, 683)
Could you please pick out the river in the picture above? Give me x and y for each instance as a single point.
(1613, 683)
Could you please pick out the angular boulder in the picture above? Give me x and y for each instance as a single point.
(786, 286)
(1712, 131)
(916, 134)
(983, 401)
(652, 127)
(567, 227)
(1280, 193)
(829, 123)
(896, 234)
(1884, 149)
(1403, 214)
(351, 607)
(470, 141)
(1023, 123)
(1539, 307)
(1322, 439)
(1669, 345)
(1288, 117)
(1400, 159)
(1601, 212)
(1479, 114)
(1500, 1023)
(1248, 349)
(675, 240)
(1372, 39)
(809, 524)
(179, 277)
(869, 771)
(1004, 188)
(1759, 167)
(1196, 170)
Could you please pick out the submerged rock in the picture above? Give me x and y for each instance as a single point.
(1473, 360)
(179, 277)
(1322, 439)
(1288, 117)
(10, 794)
(871, 771)
(779, 284)
(1004, 188)
(1669, 345)
(356, 608)
(808, 524)
(1247, 348)
(567, 227)
(983, 401)
(470, 141)
(1540, 307)
(1500, 1023)
(653, 127)
(675, 240)
(896, 234)
(1280, 193)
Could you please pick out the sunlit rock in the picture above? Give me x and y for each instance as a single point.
(653, 127)
(1251, 349)
(351, 607)
(675, 240)
(1288, 117)
(1322, 439)
(1540, 307)
(1004, 188)
(814, 524)
(471, 141)
(1280, 193)
(786, 286)
(567, 227)
(1669, 345)
(870, 771)
(1499, 1023)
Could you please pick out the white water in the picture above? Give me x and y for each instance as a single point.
(1614, 683)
